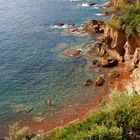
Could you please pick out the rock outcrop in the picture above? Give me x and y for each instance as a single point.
(94, 26)
(116, 46)
(131, 44)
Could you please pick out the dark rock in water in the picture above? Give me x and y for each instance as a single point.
(87, 82)
(108, 62)
(68, 25)
(60, 24)
(92, 4)
(99, 81)
(72, 53)
(114, 74)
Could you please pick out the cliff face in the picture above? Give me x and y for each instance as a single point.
(133, 42)
(117, 45)
(117, 39)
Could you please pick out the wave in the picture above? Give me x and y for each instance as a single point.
(89, 5)
(85, 5)
(99, 14)
(66, 26)
(95, 7)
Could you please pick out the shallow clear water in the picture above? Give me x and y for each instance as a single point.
(32, 67)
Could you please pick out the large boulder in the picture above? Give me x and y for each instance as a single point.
(99, 81)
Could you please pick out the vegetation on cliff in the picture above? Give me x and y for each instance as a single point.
(125, 17)
(117, 119)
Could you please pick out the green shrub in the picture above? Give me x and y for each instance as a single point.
(113, 121)
(126, 17)
(114, 23)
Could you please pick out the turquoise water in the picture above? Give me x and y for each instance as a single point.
(32, 67)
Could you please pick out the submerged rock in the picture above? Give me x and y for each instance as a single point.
(99, 81)
(22, 108)
(88, 82)
(72, 53)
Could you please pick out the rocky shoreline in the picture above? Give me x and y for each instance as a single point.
(116, 55)
(114, 74)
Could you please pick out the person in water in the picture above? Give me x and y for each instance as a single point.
(49, 102)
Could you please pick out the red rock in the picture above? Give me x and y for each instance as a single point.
(99, 81)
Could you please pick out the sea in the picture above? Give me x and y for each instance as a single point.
(33, 68)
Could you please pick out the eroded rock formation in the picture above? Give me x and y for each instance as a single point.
(117, 46)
